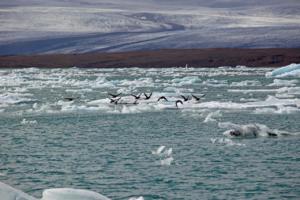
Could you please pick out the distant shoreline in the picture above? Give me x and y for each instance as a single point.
(215, 57)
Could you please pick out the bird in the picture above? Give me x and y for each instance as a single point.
(146, 96)
(197, 98)
(69, 98)
(162, 97)
(114, 95)
(114, 100)
(178, 101)
(136, 96)
(135, 102)
(185, 98)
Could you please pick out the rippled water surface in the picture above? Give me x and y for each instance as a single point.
(151, 149)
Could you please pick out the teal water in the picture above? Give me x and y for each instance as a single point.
(89, 143)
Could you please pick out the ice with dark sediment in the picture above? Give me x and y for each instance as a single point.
(251, 130)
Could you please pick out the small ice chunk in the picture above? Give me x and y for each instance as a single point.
(24, 121)
(167, 161)
(159, 150)
(136, 198)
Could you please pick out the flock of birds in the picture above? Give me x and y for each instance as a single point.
(117, 99)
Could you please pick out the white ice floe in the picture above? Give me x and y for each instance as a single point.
(159, 150)
(25, 121)
(226, 142)
(167, 161)
(164, 154)
(277, 110)
(245, 83)
(251, 131)
(286, 71)
(71, 194)
(187, 80)
(136, 198)
(282, 82)
(9, 193)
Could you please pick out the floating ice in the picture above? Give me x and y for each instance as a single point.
(164, 154)
(277, 110)
(25, 121)
(162, 151)
(136, 198)
(281, 82)
(188, 80)
(226, 142)
(289, 70)
(159, 150)
(245, 83)
(251, 131)
(9, 193)
(210, 116)
(71, 194)
(167, 161)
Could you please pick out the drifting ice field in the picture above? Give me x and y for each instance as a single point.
(151, 149)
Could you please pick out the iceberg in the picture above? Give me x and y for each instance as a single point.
(9, 193)
(289, 70)
(71, 194)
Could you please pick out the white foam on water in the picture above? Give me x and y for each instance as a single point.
(71, 194)
(226, 142)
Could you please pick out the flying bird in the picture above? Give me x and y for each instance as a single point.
(162, 97)
(114, 95)
(177, 102)
(147, 96)
(185, 98)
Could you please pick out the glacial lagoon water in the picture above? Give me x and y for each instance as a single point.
(151, 149)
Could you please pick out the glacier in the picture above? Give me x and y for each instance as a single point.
(80, 26)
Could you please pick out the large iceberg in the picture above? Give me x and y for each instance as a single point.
(289, 70)
(9, 193)
(71, 194)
